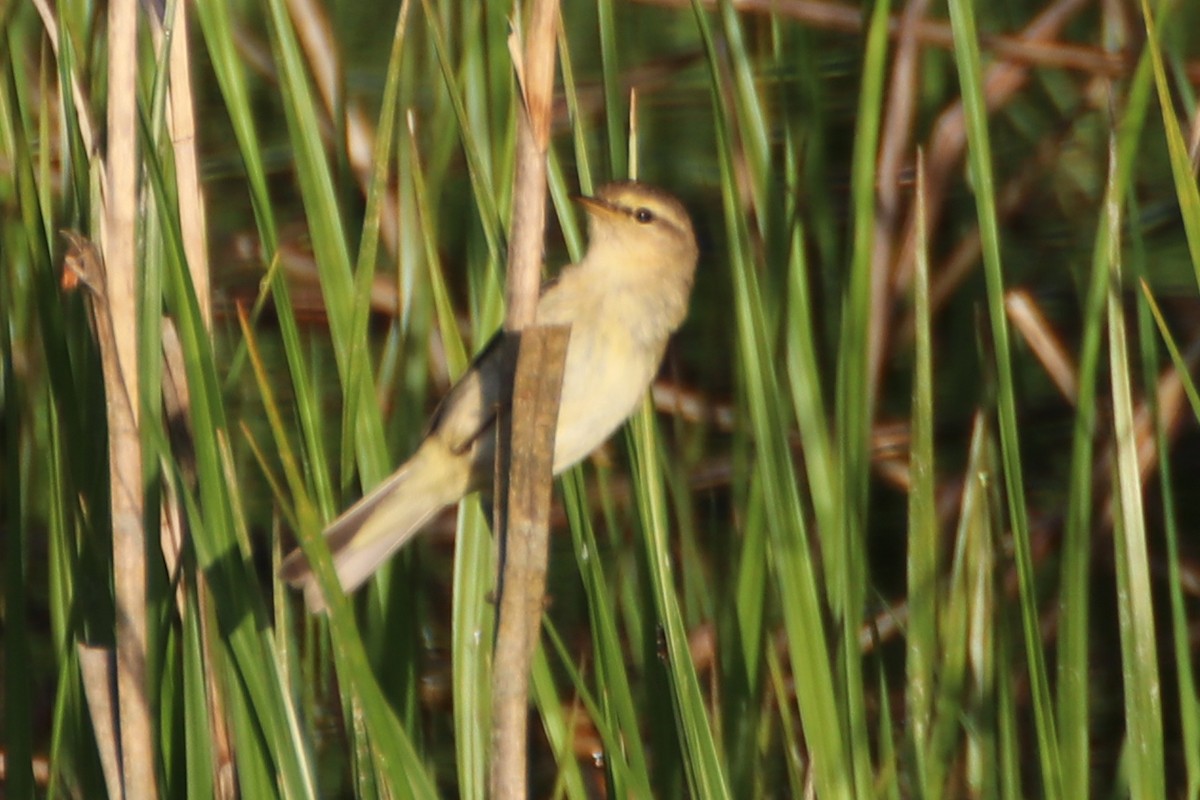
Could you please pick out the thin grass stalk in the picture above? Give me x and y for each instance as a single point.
(559, 728)
(967, 58)
(1186, 686)
(1073, 685)
(610, 71)
(806, 381)
(625, 752)
(705, 767)
(1139, 661)
(329, 241)
(201, 773)
(790, 546)
(923, 542)
(583, 166)
(228, 70)
(481, 181)
(887, 777)
(472, 633)
(798, 770)
(748, 629)
(380, 212)
(1186, 190)
(856, 394)
(1188, 701)
(752, 123)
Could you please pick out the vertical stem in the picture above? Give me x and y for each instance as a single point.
(525, 528)
(524, 469)
(535, 74)
(122, 389)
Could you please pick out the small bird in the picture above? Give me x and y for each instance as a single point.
(622, 303)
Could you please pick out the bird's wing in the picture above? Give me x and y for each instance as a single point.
(472, 404)
(470, 407)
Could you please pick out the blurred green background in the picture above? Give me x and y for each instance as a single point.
(962, 564)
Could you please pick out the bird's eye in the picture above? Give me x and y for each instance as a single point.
(643, 215)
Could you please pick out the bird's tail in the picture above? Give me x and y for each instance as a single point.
(363, 537)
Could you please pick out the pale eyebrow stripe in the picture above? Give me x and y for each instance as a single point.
(662, 211)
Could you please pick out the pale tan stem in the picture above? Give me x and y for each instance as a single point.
(523, 479)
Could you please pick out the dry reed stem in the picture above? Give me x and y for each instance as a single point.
(121, 378)
(525, 461)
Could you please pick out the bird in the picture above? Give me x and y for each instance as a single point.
(622, 301)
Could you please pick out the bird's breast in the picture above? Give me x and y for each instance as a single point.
(606, 373)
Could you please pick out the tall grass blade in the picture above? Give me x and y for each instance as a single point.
(705, 766)
(966, 54)
(1139, 657)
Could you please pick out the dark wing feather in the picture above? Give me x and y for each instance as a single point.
(469, 409)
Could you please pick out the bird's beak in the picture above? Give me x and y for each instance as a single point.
(594, 205)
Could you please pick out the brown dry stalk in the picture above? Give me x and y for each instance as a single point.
(524, 549)
(524, 461)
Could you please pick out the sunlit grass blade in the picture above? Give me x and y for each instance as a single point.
(617, 710)
(749, 621)
(400, 764)
(472, 632)
(856, 390)
(579, 146)
(806, 384)
(752, 122)
(483, 183)
(1177, 357)
(1139, 648)
(328, 235)
(705, 765)
(232, 79)
(364, 268)
(1186, 686)
(614, 103)
(230, 75)
(1073, 686)
(201, 772)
